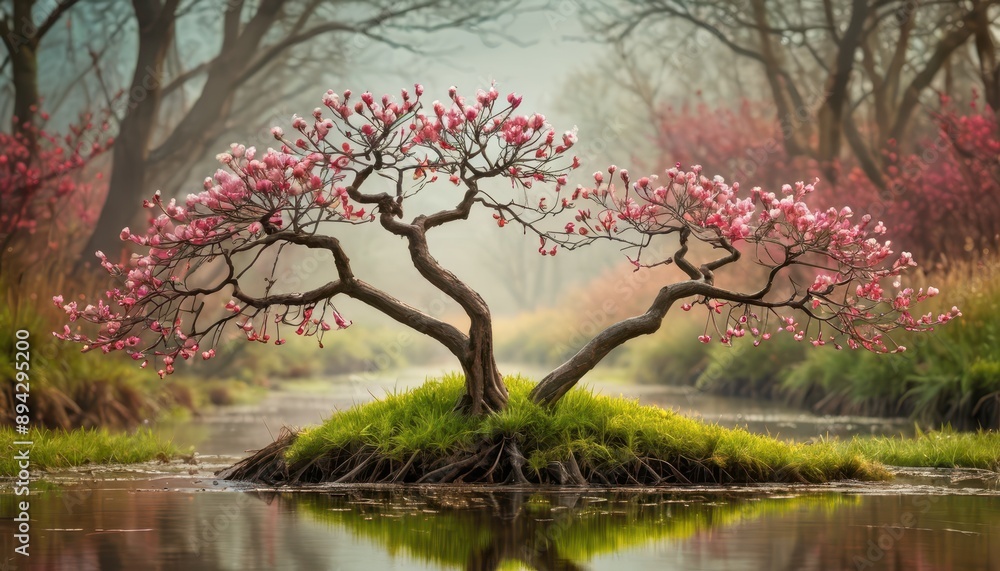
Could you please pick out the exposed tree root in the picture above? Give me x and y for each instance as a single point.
(493, 461)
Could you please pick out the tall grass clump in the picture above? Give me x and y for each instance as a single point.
(944, 448)
(70, 389)
(949, 376)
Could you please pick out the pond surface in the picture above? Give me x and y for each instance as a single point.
(178, 516)
(171, 523)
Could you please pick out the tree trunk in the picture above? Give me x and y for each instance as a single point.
(484, 388)
(986, 49)
(795, 138)
(25, 70)
(837, 87)
(20, 36)
(560, 381)
(129, 169)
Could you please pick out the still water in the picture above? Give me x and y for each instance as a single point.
(117, 527)
(178, 516)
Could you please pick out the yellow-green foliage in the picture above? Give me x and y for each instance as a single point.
(602, 431)
(937, 449)
(64, 449)
(451, 534)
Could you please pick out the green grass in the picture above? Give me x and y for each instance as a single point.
(65, 449)
(937, 449)
(603, 432)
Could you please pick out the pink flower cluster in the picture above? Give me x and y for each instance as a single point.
(42, 172)
(784, 231)
(257, 199)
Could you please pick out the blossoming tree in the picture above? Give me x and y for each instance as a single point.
(326, 174)
(43, 176)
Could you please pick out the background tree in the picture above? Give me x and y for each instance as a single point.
(317, 185)
(874, 61)
(184, 90)
(22, 32)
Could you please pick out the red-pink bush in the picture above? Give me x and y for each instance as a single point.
(942, 196)
(45, 182)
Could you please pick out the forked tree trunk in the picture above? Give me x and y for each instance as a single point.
(484, 388)
(557, 383)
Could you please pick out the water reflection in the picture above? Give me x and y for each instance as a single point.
(140, 525)
(478, 531)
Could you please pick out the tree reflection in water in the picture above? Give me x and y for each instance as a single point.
(77, 528)
(485, 530)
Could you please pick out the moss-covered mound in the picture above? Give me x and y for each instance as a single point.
(416, 437)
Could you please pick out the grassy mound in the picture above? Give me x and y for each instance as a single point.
(65, 449)
(415, 437)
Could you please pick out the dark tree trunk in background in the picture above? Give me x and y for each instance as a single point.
(24, 64)
(986, 49)
(831, 114)
(156, 21)
(140, 170)
(22, 36)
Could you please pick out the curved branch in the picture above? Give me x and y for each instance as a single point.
(57, 12)
(460, 212)
(310, 297)
(449, 336)
(446, 334)
(563, 378)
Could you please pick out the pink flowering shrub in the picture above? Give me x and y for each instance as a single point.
(940, 196)
(944, 199)
(43, 183)
(194, 275)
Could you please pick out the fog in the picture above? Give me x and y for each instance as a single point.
(606, 68)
